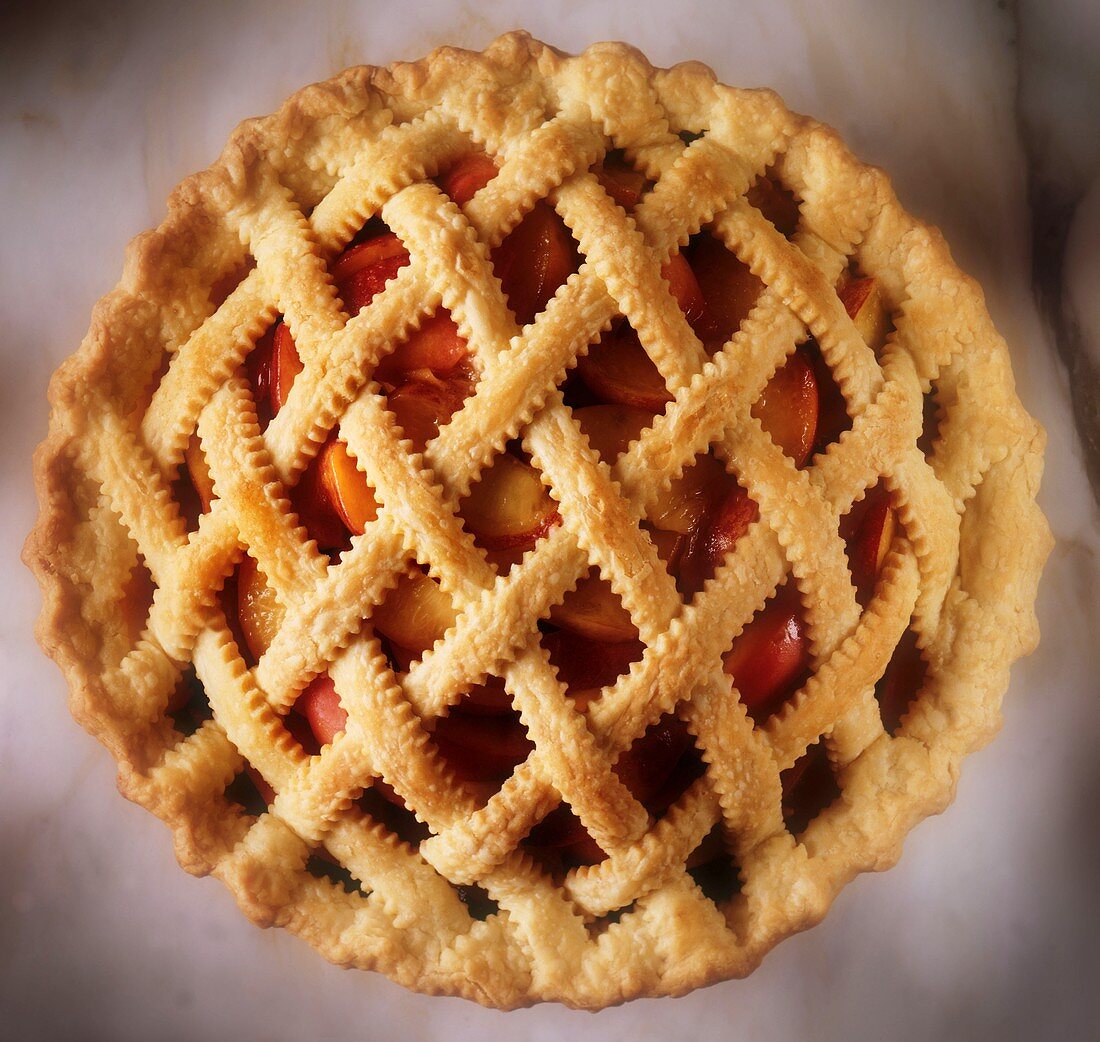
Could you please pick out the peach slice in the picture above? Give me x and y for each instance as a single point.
(437, 345)
(314, 503)
(621, 181)
(509, 506)
(680, 507)
(361, 273)
(200, 472)
(534, 260)
(685, 288)
(258, 609)
(862, 299)
(788, 408)
(776, 203)
(285, 366)
(415, 613)
(611, 428)
(868, 529)
(345, 487)
(467, 177)
(594, 610)
(421, 407)
(770, 656)
(714, 537)
(320, 705)
(618, 369)
(729, 288)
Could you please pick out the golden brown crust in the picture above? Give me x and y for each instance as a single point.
(963, 575)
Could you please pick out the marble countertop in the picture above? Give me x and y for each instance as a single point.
(983, 113)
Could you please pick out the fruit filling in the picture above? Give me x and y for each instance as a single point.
(615, 393)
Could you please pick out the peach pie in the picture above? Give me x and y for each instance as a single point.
(538, 526)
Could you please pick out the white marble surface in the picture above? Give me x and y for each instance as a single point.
(986, 928)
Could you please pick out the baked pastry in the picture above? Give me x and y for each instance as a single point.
(538, 526)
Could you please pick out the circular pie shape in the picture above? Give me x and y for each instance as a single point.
(907, 661)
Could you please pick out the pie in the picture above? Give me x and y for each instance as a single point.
(538, 526)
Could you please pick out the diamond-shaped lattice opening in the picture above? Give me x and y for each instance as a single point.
(832, 408)
(509, 508)
(862, 298)
(868, 532)
(317, 716)
(710, 867)
(560, 842)
(611, 426)
(790, 409)
(719, 511)
(534, 261)
(413, 616)
(594, 610)
(333, 499)
(623, 182)
(659, 765)
(321, 865)
(901, 683)
(729, 289)
(535, 258)
(482, 738)
(250, 792)
(775, 201)
(467, 176)
(930, 428)
(586, 666)
(770, 659)
(809, 787)
(388, 809)
(477, 901)
(618, 370)
(188, 706)
(137, 599)
(252, 611)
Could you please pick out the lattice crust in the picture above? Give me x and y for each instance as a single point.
(284, 199)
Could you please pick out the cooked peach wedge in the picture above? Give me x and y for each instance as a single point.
(862, 299)
(535, 258)
(594, 610)
(617, 369)
(621, 181)
(415, 613)
(320, 705)
(345, 487)
(788, 408)
(729, 288)
(770, 656)
(868, 530)
(509, 507)
(714, 536)
(258, 609)
(422, 406)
